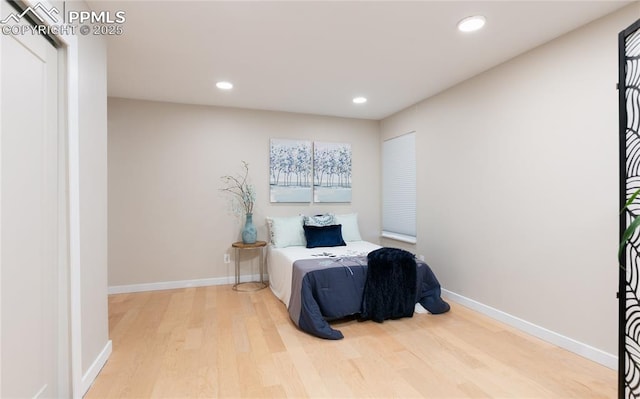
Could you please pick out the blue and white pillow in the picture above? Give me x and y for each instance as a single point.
(320, 220)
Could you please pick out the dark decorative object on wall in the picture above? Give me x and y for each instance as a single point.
(629, 283)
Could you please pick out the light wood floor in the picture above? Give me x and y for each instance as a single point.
(215, 342)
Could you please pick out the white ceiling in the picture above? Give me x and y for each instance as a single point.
(314, 57)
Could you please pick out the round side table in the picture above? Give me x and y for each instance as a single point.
(239, 247)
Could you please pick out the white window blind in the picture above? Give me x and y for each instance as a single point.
(399, 188)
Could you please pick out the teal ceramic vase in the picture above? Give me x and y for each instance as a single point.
(249, 232)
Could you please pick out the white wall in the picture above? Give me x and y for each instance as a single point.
(518, 184)
(92, 74)
(168, 221)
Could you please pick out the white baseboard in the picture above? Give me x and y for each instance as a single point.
(171, 285)
(96, 366)
(579, 348)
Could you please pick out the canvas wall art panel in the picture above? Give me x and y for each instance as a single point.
(290, 171)
(331, 172)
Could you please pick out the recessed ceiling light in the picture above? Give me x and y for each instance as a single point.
(471, 24)
(359, 100)
(224, 85)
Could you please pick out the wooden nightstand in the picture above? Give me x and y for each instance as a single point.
(239, 247)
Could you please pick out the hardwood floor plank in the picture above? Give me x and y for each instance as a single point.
(216, 342)
(289, 376)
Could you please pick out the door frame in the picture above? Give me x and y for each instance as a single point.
(70, 341)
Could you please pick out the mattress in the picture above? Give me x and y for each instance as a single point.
(280, 262)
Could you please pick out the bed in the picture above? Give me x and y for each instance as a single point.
(319, 283)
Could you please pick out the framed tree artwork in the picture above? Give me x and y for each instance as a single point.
(290, 171)
(331, 172)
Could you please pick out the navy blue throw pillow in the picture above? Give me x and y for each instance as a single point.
(324, 236)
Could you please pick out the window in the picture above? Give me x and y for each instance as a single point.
(399, 188)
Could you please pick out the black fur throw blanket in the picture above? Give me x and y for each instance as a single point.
(390, 286)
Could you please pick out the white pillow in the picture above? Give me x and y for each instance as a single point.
(286, 231)
(320, 220)
(349, 222)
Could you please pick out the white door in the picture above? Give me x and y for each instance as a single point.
(29, 212)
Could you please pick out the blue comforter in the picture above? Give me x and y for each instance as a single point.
(331, 288)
